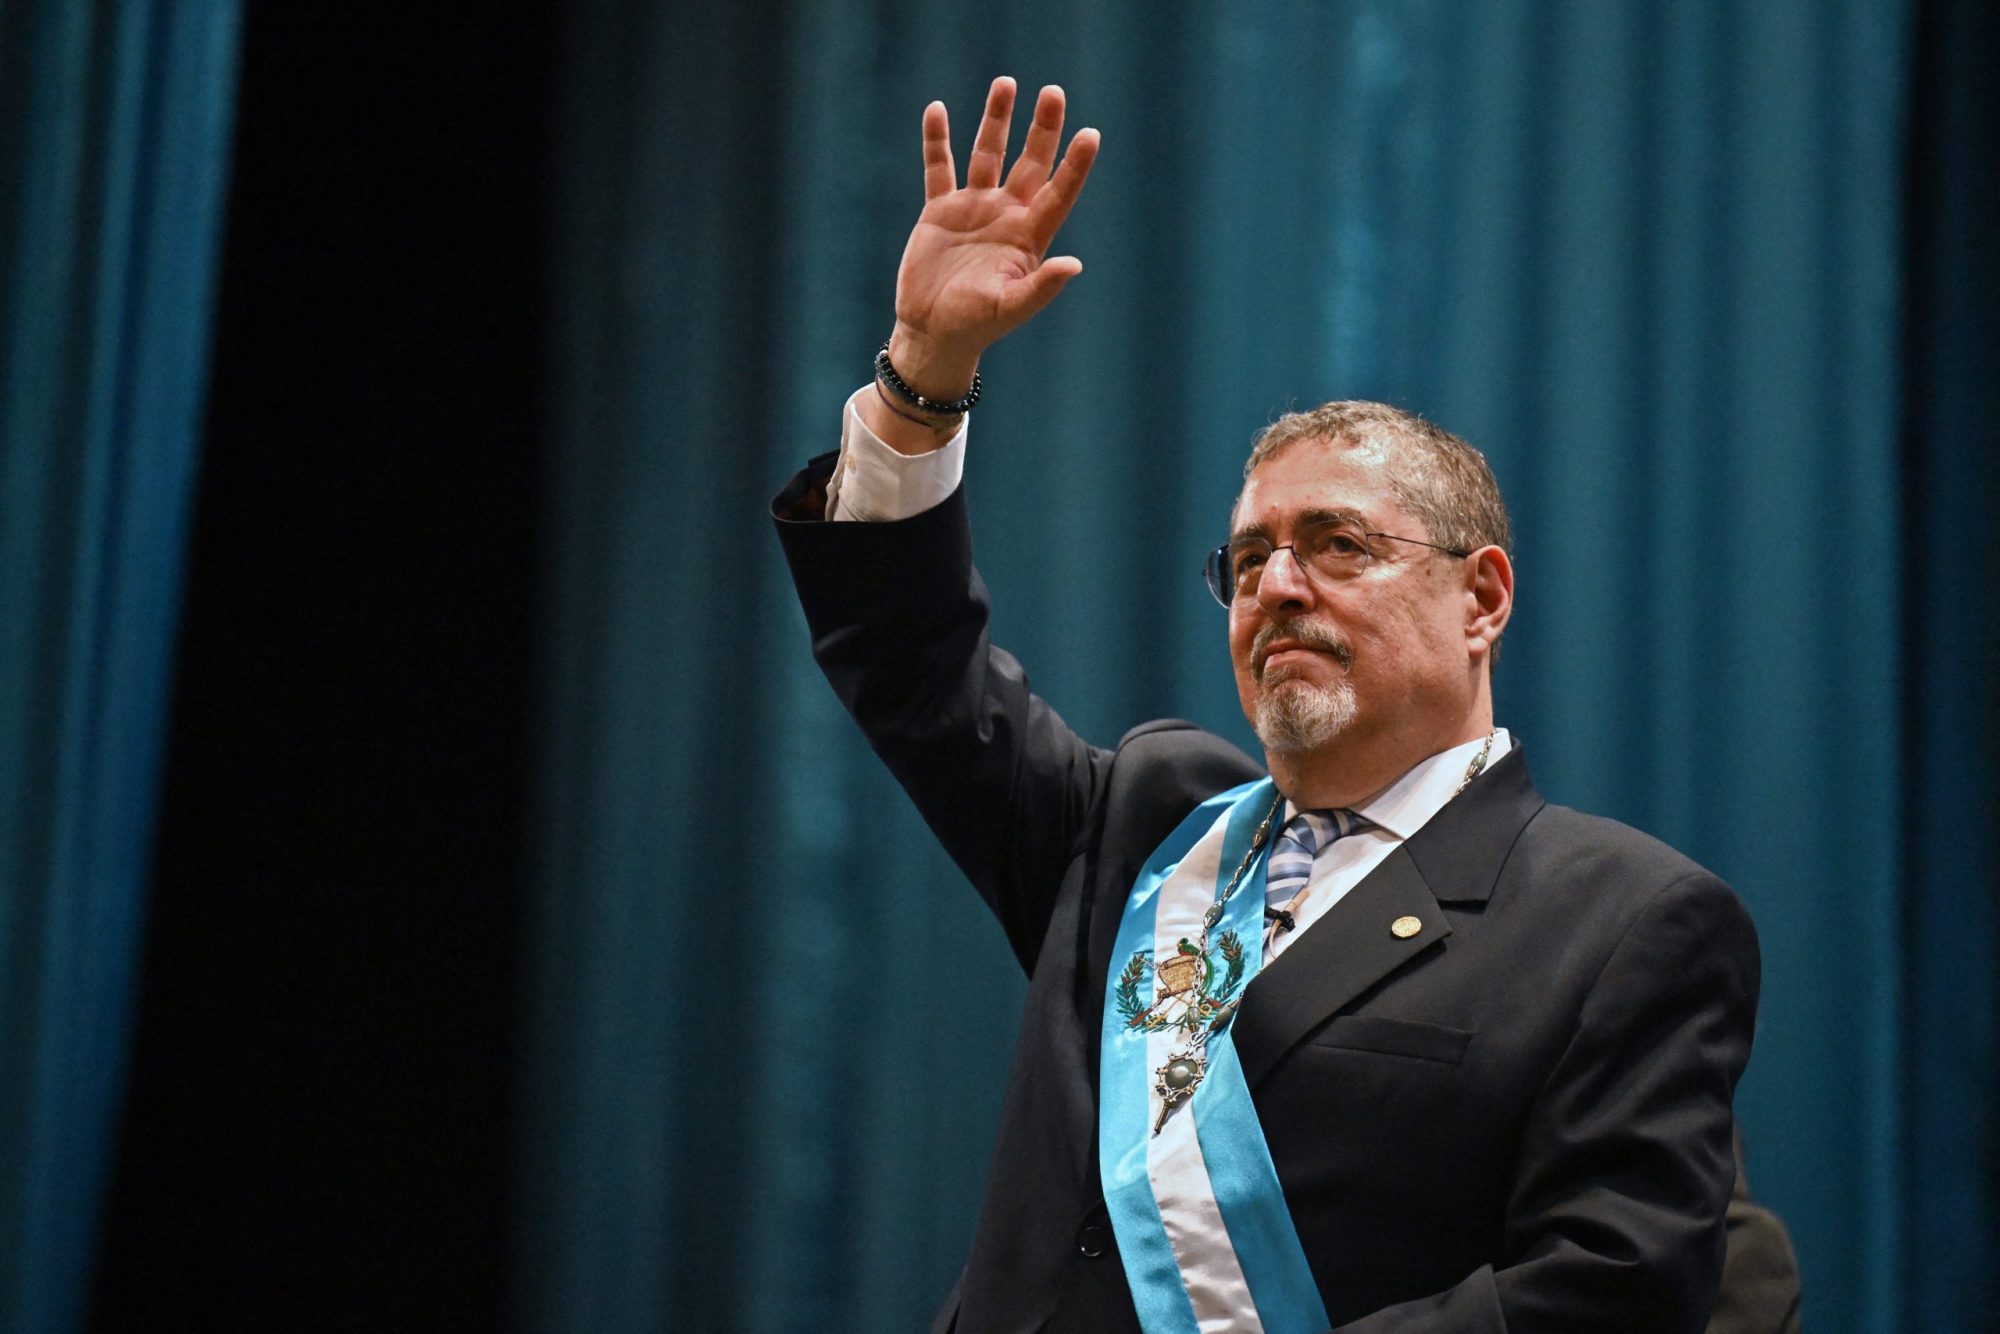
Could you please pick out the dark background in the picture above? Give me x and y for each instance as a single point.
(317, 1128)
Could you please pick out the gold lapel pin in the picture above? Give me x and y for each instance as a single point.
(1405, 927)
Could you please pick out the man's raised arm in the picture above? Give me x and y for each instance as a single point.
(977, 265)
(897, 614)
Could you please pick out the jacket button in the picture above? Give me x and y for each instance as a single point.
(1090, 1240)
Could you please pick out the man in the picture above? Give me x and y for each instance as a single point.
(1382, 1041)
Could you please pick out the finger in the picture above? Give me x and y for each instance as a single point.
(989, 148)
(1051, 206)
(1038, 154)
(1030, 294)
(940, 172)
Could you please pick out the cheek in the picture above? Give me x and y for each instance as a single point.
(1387, 646)
(1442, 620)
(1241, 636)
(1417, 640)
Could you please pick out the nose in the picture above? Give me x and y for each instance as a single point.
(1284, 584)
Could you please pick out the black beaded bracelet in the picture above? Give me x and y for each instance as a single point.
(886, 374)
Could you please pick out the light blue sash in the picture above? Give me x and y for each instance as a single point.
(1202, 1226)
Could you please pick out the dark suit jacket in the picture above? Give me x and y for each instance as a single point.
(1518, 1119)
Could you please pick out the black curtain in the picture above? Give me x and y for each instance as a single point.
(319, 1125)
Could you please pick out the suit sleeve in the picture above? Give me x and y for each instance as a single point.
(1616, 1216)
(898, 619)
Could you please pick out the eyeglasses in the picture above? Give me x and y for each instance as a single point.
(1333, 549)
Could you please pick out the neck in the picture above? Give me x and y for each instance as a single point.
(1355, 766)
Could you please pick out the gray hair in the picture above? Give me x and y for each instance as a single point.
(1440, 479)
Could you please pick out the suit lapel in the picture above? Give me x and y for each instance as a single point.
(1347, 951)
(1454, 858)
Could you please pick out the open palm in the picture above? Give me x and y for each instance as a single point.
(976, 267)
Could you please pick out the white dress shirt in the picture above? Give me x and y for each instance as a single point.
(874, 483)
(1393, 814)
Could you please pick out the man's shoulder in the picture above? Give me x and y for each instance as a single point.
(1160, 771)
(1599, 867)
(1585, 842)
(1182, 754)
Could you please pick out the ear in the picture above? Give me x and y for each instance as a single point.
(1489, 601)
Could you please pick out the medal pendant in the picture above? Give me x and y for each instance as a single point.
(1176, 1082)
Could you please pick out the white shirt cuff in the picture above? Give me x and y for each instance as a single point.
(872, 483)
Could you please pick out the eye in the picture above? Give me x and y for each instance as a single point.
(1339, 541)
(1247, 559)
(1339, 550)
(1343, 542)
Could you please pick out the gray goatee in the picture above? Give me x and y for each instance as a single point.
(1297, 715)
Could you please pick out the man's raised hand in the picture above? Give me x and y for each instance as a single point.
(977, 263)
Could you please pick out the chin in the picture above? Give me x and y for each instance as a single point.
(1294, 715)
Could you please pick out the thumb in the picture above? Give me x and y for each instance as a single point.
(1040, 287)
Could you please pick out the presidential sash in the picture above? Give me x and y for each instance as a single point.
(1202, 1226)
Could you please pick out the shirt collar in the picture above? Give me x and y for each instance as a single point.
(1406, 805)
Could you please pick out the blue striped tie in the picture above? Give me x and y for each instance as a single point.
(1291, 864)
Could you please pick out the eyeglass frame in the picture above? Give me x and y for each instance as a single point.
(1213, 569)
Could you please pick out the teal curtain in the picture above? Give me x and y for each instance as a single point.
(113, 142)
(1648, 255)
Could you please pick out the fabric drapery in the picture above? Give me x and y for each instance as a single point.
(113, 145)
(1649, 257)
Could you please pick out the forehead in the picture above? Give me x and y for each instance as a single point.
(1336, 475)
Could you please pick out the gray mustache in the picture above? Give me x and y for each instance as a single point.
(1312, 634)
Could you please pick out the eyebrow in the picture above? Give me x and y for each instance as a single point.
(1312, 516)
